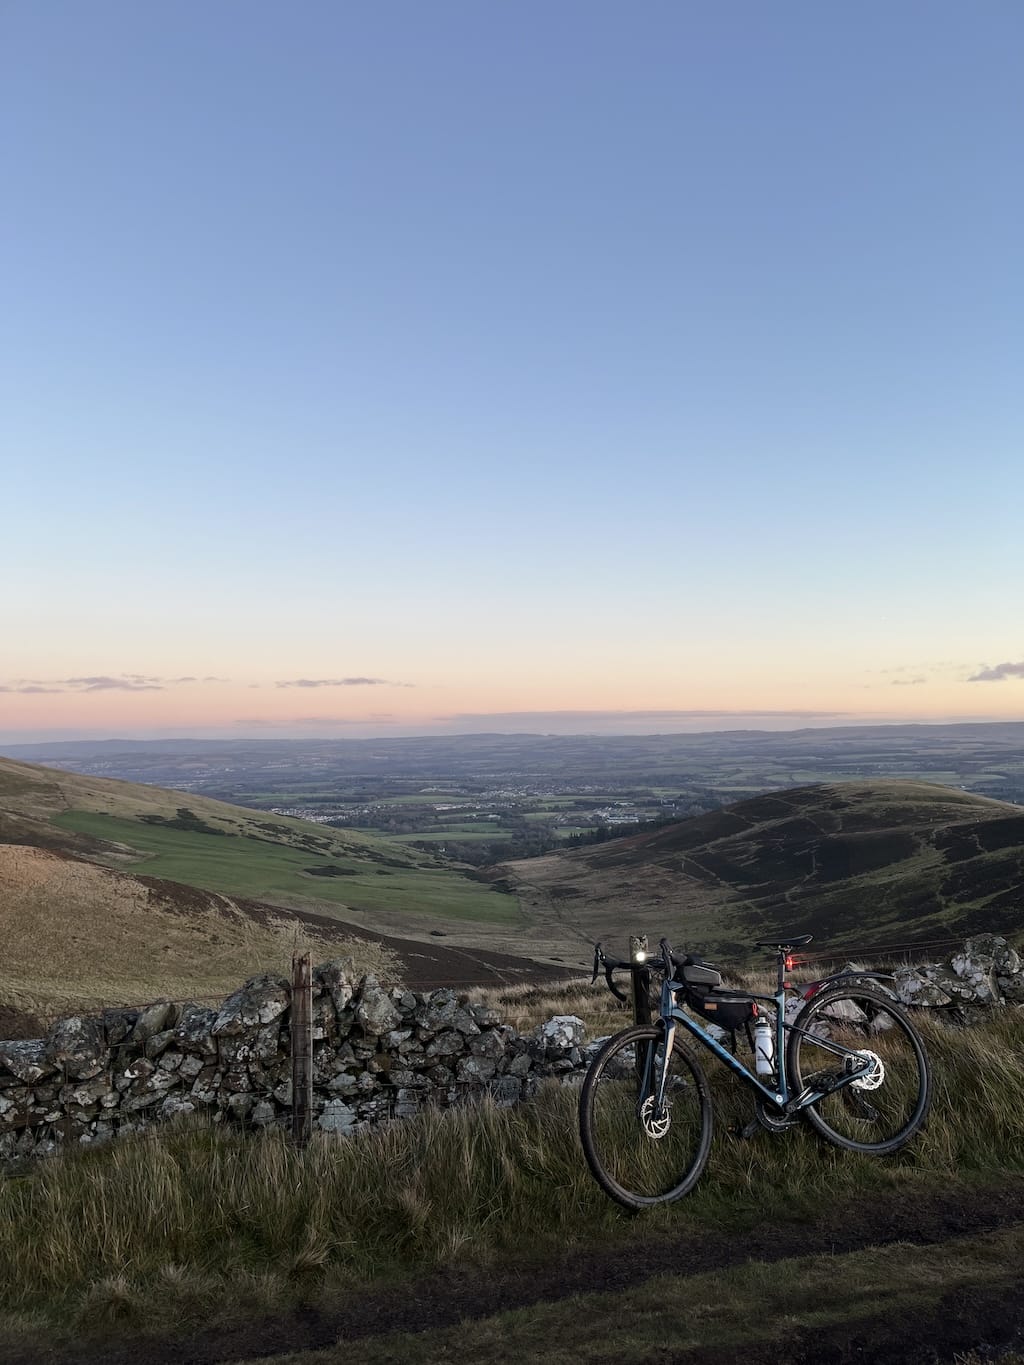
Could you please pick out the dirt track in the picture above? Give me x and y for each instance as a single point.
(445, 1298)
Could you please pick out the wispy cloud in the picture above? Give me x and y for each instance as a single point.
(340, 682)
(638, 715)
(907, 682)
(312, 722)
(100, 682)
(998, 674)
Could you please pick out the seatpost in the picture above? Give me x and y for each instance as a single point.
(780, 969)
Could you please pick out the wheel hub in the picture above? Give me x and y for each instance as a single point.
(873, 1078)
(655, 1126)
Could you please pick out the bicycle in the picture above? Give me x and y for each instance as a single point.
(646, 1116)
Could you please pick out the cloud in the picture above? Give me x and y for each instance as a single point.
(907, 682)
(998, 674)
(126, 683)
(32, 689)
(123, 682)
(637, 715)
(340, 682)
(308, 722)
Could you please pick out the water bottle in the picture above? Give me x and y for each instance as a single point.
(764, 1046)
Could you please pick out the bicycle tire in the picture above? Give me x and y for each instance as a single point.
(883, 1114)
(635, 1167)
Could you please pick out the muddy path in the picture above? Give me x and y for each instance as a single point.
(447, 1297)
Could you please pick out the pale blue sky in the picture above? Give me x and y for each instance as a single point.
(557, 355)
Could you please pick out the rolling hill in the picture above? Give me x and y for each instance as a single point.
(857, 864)
(113, 892)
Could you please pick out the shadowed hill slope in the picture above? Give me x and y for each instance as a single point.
(855, 864)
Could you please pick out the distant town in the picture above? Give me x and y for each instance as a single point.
(484, 798)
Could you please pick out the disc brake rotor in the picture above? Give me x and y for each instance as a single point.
(872, 1079)
(654, 1127)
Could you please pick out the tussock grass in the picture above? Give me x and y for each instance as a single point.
(203, 1225)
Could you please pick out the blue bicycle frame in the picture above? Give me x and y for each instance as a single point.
(780, 1098)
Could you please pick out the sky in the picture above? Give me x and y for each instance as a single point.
(563, 366)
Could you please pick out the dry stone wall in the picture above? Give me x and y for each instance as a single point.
(379, 1053)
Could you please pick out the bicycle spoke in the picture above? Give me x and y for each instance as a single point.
(640, 1153)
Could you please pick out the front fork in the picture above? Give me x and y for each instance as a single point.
(669, 1026)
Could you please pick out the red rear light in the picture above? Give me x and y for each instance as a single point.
(790, 962)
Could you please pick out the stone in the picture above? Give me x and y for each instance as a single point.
(157, 1042)
(446, 1045)
(376, 1013)
(505, 1091)
(336, 1117)
(260, 1001)
(174, 1106)
(263, 1113)
(560, 1033)
(490, 1044)
(149, 1090)
(443, 1012)
(27, 1059)
(153, 1019)
(78, 1047)
(118, 1024)
(407, 1103)
(194, 1030)
(337, 978)
(239, 1106)
(475, 1070)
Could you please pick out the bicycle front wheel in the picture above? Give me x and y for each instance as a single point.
(637, 1156)
(883, 1109)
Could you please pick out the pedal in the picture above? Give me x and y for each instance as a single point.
(745, 1133)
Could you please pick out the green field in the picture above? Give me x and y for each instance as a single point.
(242, 865)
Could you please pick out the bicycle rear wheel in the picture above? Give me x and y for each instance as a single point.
(880, 1112)
(637, 1157)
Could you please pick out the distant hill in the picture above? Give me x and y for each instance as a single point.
(856, 864)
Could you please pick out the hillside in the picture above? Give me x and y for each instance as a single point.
(239, 852)
(76, 934)
(114, 892)
(856, 864)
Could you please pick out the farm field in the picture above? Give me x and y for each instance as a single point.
(249, 866)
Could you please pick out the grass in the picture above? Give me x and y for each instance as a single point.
(754, 1305)
(200, 1226)
(77, 935)
(244, 865)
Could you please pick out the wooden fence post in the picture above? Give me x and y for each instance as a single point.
(302, 1048)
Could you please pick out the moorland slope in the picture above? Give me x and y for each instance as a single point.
(857, 864)
(112, 891)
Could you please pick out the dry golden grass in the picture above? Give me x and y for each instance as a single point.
(77, 935)
(200, 1226)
